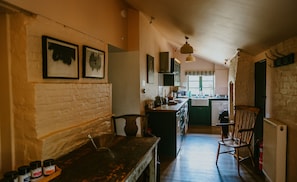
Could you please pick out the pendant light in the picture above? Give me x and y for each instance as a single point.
(186, 48)
(190, 58)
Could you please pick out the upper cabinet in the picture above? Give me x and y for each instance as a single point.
(169, 70)
(165, 64)
(175, 66)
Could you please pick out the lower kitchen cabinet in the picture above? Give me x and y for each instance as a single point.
(199, 115)
(170, 126)
(164, 125)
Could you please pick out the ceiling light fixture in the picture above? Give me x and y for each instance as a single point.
(186, 48)
(190, 58)
(152, 18)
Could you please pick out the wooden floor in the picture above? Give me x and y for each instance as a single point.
(196, 161)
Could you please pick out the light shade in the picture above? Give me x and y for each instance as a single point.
(186, 49)
(190, 58)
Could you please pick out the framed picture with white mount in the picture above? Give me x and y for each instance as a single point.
(60, 58)
(93, 62)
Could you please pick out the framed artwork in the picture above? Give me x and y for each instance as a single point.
(150, 68)
(93, 62)
(60, 59)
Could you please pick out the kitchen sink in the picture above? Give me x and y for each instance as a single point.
(200, 102)
(178, 101)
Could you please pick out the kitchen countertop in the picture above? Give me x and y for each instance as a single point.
(170, 108)
(87, 164)
(209, 98)
(218, 98)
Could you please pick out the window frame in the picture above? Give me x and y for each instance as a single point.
(201, 88)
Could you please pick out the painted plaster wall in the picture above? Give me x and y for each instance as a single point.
(98, 18)
(221, 80)
(128, 73)
(152, 43)
(198, 65)
(220, 71)
(124, 76)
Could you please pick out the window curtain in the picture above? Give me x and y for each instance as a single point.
(199, 73)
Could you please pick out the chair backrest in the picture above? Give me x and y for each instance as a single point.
(244, 119)
(129, 122)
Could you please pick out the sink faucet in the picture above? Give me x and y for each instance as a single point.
(101, 148)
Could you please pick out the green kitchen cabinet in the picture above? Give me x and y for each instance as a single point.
(169, 122)
(199, 115)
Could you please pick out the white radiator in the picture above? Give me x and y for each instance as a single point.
(274, 150)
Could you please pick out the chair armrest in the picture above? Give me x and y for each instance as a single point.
(244, 130)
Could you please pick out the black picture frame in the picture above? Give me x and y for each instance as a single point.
(93, 62)
(60, 58)
(150, 68)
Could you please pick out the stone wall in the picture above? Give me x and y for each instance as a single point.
(53, 116)
(244, 82)
(241, 74)
(66, 113)
(282, 98)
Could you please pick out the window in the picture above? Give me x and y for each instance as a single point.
(201, 85)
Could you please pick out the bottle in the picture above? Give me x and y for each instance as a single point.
(36, 170)
(24, 174)
(189, 94)
(49, 167)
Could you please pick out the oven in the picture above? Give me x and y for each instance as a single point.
(178, 131)
(183, 121)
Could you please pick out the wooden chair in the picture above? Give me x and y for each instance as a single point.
(241, 131)
(130, 124)
(131, 129)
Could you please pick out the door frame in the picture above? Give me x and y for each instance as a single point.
(7, 157)
(260, 102)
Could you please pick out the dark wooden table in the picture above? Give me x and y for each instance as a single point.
(132, 155)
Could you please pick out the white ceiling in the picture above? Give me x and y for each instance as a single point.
(217, 28)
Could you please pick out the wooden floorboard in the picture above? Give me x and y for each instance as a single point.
(196, 161)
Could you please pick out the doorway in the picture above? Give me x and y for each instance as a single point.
(260, 102)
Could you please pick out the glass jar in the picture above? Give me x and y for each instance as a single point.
(36, 169)
(24, 174)
(11, 176)
(49, 167)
